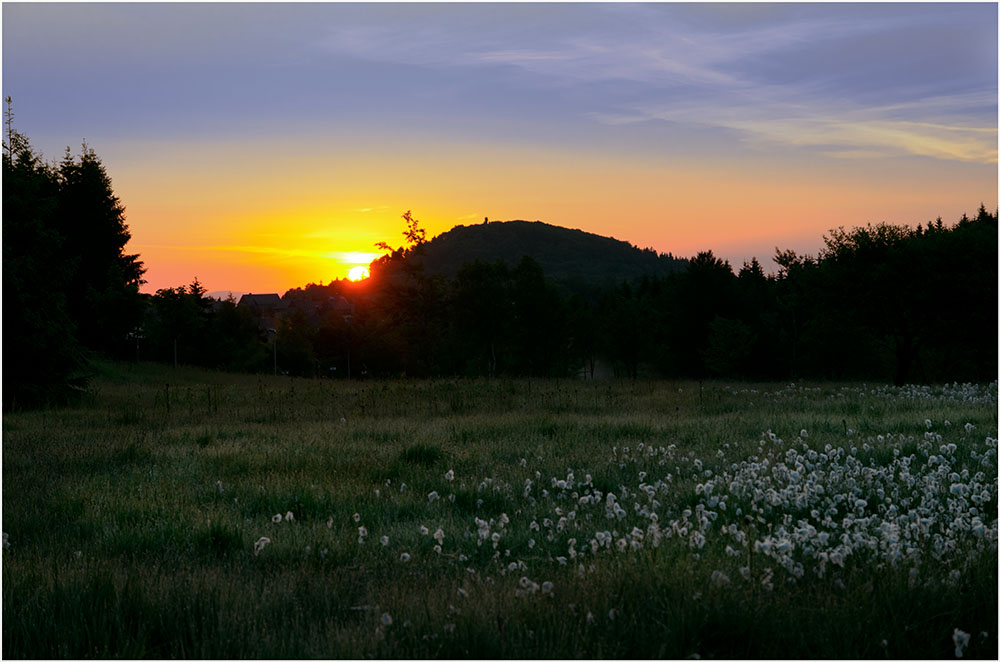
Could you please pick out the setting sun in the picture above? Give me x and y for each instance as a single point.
(358, 273)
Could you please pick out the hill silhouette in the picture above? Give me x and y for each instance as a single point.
(566, 255)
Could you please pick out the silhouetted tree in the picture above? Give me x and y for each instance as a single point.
(42, 361)
(483, 312)
(103, 293)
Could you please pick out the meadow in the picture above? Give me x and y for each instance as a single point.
(186, 513)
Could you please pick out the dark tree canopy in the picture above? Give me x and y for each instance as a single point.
(69, 286)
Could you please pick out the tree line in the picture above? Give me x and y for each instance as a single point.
(70, 289)
(879, 302)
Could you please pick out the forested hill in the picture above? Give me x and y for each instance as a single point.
(564, 254)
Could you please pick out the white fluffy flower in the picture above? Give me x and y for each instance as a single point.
(961, 640)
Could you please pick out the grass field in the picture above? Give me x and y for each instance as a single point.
(525, 519)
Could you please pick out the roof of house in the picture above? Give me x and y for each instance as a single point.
(260, 300)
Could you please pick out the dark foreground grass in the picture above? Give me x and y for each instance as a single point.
(132, 520)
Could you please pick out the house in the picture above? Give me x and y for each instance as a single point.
(267, 308)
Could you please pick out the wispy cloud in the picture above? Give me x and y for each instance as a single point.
(759, 76)
(840, 130)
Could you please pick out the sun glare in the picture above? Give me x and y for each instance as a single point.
(358, 273)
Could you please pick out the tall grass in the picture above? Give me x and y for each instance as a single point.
(132, 520)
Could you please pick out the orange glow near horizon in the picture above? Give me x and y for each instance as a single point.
(242, 234)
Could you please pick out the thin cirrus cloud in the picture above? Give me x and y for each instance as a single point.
(892, 130)
(797, 82)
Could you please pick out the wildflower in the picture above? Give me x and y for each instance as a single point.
(590, 618)
(961, 640)
(439, 535)
(462, 592)
(404, 557)
(423, 530)
(384, 540)
(259, 545)
(276, 518)
(927, 422)
(450, 475)
(357, 517)
(218, 486)
(289, 516)
(437, 548)
(719, 578)
(386, 619)
(546, 587)
(803, 433)
(329, 522)
(611, 614)
(6, 542)
(433, 496)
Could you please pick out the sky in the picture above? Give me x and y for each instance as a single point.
(260, 147)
